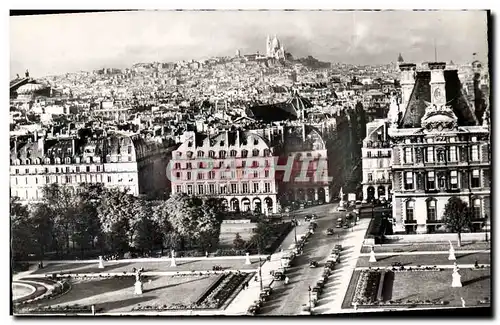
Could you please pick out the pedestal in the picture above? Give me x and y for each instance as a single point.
(172, 259)
(138, 288)
(456, 282)
(101, 263)
(247, 261)
(372, 257)
(452, 257)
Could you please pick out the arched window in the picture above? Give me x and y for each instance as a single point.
(410, 207)
(201, 154)
(68, 160)
(189, 154)
(28, 162)
(233, 153)
(222, 154)
(431, 210)
(476, 209)
(255, 152)
(267, 152)
(179, 154)
(244, 153)
(47, 160)
(58, 160)
(211, 154)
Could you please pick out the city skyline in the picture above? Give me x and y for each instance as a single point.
(57, 43)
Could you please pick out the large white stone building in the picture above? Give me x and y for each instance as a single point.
(440, 150)
(126, 162)
(236, 166)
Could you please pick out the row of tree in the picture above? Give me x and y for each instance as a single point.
(97, 219)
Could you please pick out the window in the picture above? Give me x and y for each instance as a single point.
(475, 153)
(57, 169)
(200, 175)
(87, 169)
(211, 154)
(256, 187)
(410, 206)
(431, 181)
(200, 154)
(476, 209)
(431, 210)
(179, 189)
(409, 181)
(211, 188)
(222, 154)
(223, 189)
(454, 179)
(244, 153)
(255, 152)
(267, 187)
(189, 154)
(36, 180)
(77, 169)
(190, 189)
(109, 179)
(441, 156)
(453, 153)
(266, 174)
(408, 155)
(129, 150)
(188, 176)
(200, 189)
(211, 175)
(267, 163)
(255, 164)
(475, 179)
(267, 152)
(430, 154)
(233, 188)
(369, 154)
(189, 166)
(17, 171)
(243, 163)
(370, 177)
(177, 166)
(98, 168)
(245, 188)
(233, 153)
(177, 175)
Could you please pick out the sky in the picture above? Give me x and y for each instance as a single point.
(54, 44)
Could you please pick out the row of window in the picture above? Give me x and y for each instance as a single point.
(223, 153)
(380, 176)
(431, 210)
(448, 139)
(450, 154)
(209, 164)
(38, 194)
(87, 178)
(442, 180)
(67, 169)
(224, 189)
(69, 160)
(240, 174)
(382, 154)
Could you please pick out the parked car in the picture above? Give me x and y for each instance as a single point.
(339, 223)
(338, 247)
(307, 218)
(313, 225)
(329, 231)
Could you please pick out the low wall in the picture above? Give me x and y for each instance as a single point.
(466, 237)
(237, 227)
(236, 221)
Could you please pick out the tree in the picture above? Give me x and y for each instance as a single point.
(238, 242)
(21, 230)
(262, 234)
(42, 223)
(457, 216)
(165, 232)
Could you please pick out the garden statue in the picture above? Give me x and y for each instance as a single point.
(456, 283)
(463, 301)
(172, 259)
(138, 283)
(451, 257)
(101, 263)
(372, 256)
(247, 261)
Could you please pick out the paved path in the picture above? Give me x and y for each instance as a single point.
(331, 300)
(444, 266)
(487, 251)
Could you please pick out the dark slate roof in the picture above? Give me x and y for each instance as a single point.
(421, 94)
(288, 110)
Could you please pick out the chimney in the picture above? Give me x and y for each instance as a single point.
(73, 146)
(407, 81)
(41, 145)
(438, 89)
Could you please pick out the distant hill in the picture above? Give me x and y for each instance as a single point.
(313, 63)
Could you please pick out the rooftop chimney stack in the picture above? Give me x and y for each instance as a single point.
(438, 89)
(407, 81)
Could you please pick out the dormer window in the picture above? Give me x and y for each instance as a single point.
(58, 160)
(255, 142)
(244, 153)
(255, 152)
(190, 144)
(68, 160)
(179, 154)
(201, 154)
(190, 154)
(211, 154)
(222, 143)
(233, 153)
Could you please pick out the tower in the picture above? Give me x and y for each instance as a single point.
(268, 46)
(400, 58)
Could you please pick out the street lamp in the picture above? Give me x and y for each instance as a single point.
(260, 273)
(295, 230)
(486, 227)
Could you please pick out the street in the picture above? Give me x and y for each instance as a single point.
(288, 300)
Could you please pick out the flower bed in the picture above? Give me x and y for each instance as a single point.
(68, 309)
(416, 269)
(230, 252)
(367, 287)
(58, 288)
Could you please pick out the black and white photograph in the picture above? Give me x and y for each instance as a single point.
(250, 163)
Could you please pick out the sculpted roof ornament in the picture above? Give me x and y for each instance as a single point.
(439, 117)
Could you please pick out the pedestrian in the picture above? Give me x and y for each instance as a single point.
(476, 264)
(287, 280)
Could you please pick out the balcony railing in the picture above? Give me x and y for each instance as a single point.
(410, 222)
(379, 181)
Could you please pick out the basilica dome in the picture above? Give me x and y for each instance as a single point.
(30, 88)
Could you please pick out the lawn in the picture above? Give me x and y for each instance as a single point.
(154, 265)
(20, 291)
(226, 239)
(437, 285)
(117, 294)
(435, 259)
(426, 247)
